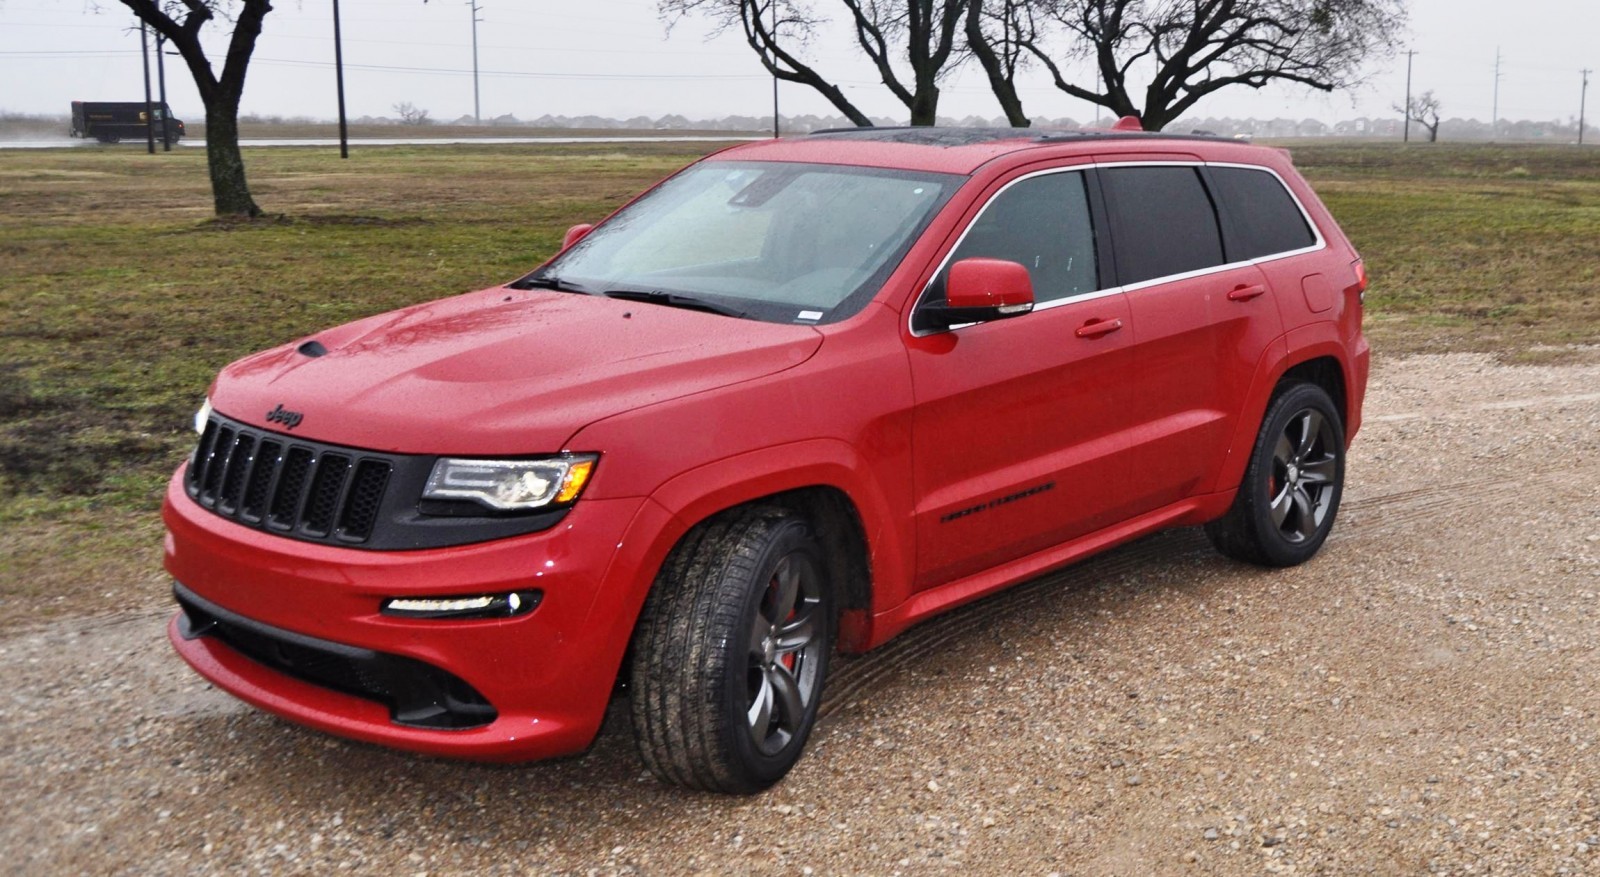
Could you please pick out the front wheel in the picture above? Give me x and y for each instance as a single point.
(1291, 489)
(731, 652)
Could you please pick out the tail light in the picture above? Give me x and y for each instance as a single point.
(1360, 287)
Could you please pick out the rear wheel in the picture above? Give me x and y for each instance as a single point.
(1290, 495)
(731, 653)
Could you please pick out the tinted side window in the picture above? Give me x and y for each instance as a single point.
(1262, 218)
(1162, 221)
(1044, 224)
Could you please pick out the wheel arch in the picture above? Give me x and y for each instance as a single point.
(1321, 362)
(824, 481)
(1325, 371)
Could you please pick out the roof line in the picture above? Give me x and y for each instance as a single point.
(1036, 135)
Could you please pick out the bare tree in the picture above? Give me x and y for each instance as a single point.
(411, 114)
(998, 33)
(894, 34)
(1190, 49)
(181, 21)
(1424, 110)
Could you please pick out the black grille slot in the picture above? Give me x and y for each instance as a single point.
(362, 503)
(244, 451)
(291, 484)
(202, 457)
(259, 490)
(300, 488)
(325, 489)
(216, 462)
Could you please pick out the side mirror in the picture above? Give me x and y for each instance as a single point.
(576, 233)
(979, 290)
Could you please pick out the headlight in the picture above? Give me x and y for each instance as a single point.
(203, 415)
(511, 485)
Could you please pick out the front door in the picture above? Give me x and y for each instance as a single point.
(1018, 436)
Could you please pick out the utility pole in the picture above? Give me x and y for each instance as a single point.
(161, 77)
(1494, 124)
(775, 71)
(477, 114)
(149, 111)
(1583, 103)
(338, 76)
(1406, 135)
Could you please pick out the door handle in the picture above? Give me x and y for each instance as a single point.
(1245, 293)
(1096, 328)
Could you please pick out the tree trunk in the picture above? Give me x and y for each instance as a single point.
(1001, 81)
(228, 187)
(841, 103)
(925, 105)
(229, 192)
(1155, 120)
(775, 58)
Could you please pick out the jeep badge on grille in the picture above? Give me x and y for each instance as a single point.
(280, 414)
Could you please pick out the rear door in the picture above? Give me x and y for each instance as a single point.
(1016, 438)
(1202, 320)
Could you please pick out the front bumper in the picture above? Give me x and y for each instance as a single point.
(545, 676)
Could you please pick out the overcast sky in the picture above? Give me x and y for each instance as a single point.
(616, 58)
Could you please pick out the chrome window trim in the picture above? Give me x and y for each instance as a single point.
(1320, 244)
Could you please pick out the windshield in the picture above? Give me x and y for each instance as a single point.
(773, 241)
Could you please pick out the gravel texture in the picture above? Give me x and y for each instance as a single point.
(1421, 698)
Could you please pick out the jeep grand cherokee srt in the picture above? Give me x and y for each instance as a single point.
(799, 396)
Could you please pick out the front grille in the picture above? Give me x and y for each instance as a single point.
(336, 495)
(416, 693)
(298, 488)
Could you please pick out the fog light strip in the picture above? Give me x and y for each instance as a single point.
(482, 606)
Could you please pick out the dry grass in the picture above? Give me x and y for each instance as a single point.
(1471, 248)
(123, 297)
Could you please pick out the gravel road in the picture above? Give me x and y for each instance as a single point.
(1421, 698)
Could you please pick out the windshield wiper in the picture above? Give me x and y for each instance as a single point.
(548, 281)
(674, 300)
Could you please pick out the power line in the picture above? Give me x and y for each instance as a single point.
(452, 71)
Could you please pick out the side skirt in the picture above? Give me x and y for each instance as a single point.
(926, 604)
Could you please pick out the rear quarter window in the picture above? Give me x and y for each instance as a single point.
(1260, 217)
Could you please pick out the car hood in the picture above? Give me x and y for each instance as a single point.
(500, 371)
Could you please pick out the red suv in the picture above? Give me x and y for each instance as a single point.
(801, 395)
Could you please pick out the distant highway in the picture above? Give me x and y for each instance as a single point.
(357, 143)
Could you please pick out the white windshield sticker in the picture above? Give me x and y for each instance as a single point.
(810, 315)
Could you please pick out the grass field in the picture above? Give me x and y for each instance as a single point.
(121, 297)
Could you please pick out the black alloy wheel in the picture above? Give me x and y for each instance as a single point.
(731, 652)
(1290, 494)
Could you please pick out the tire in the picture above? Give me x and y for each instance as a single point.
(1290, 494)
(731, 653)
(110, 138)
